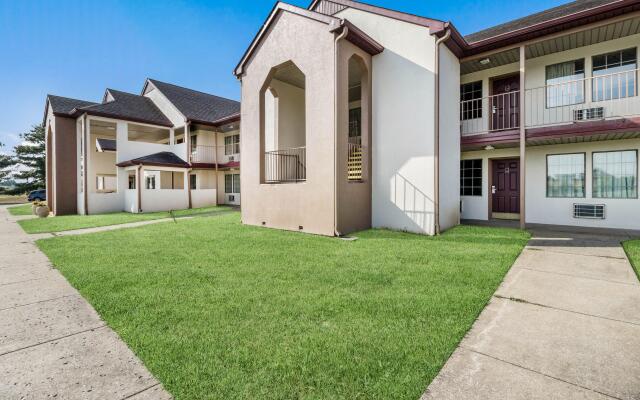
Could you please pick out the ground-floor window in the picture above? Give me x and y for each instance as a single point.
(232, 183)
(132, 181)
(149, 181)
(106, 183)
(615, 174)
(193, 179)
(470, 177)
(565, 175)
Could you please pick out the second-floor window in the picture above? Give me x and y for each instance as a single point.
(232, 145)
(471, 100)
(614, 75)
(565, 83)
(194, 142)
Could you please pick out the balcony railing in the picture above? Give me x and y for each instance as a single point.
(600, 97)
(215, 154)
(499, 112)
(287, 165)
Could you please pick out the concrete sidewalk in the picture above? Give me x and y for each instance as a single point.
(565, 324)
(52, 342)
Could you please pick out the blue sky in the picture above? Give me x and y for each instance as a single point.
(79, 48)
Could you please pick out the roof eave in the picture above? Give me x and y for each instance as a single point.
(359, 38)
(277, 8)
(542, 28)
(76, 112)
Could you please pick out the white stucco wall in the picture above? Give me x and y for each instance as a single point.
(291, 115)
(203, 197)
(449, 74)
(620, 213)
(402, 122)
(167, 108)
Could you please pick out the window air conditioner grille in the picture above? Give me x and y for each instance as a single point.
(592, 211)
(587, 114)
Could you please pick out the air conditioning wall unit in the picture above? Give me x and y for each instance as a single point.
(588, 114)
(589, 211)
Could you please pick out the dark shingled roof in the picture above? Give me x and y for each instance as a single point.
(162, 159)
(197, 106)
(127, 106)
(64, 105)
(537, 18)
(107, 144)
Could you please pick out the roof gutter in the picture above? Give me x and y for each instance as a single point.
(341, 36)
(436, 136)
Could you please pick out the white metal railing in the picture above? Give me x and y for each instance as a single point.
(499, 112)
(599, 97)
(215, 154)
(204, 154)
(286, 165)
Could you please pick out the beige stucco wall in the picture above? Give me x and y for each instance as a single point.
(353, 198)
(309, 204)
(402, 122)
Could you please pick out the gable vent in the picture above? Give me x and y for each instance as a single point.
(590, 211)
(587, 114)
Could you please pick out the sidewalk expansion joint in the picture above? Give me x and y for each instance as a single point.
(37, 302)
(518, 300)
(540, 373)
(55, 339)
(578, 276)
(140, 391)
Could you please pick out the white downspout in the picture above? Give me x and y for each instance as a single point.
(436, 139)
(342, 35)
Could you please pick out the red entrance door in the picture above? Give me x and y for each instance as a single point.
(505, 187)
(505, 103)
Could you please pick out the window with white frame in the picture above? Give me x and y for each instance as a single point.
(615, 174)
(471, 177)
(193, 180)
(565, 83)
(232, 145)
(471, 100)
(149, 180)
(565, 175)
(232, 183)
(614, 75)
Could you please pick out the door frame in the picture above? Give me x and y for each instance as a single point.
(498, 78)
(490, 161)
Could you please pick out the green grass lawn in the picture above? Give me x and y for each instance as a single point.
(220, 310)
(24, 209)
(632, 248)
(70, 222)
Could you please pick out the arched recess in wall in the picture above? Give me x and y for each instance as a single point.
(358, 109)
(283, 133)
